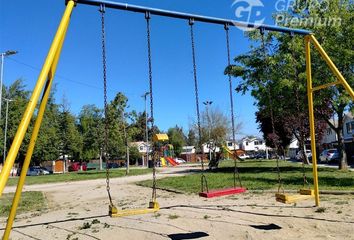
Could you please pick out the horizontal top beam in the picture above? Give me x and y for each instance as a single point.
(187, 16)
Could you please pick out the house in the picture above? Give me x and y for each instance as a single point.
(251, 145)
(188, 153)
(206, 148)
(348, 135)
(143, 148)
(232, 146)
(348, 128)
(330, 137)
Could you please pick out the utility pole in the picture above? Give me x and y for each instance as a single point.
(146, 128)
(207, 104)
(5, 134)
(127, 161)
(3, 55)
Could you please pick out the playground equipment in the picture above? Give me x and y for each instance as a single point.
(163, 162)
(168, 153)
(281, 196)
(156, 138)
(205, 192)
(46, 75)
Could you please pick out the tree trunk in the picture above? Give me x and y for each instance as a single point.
(343, 164)
(302, 147)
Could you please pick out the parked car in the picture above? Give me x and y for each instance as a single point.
(44, 171)
(113, 165)
(308, 154)
(323, 156)
(180, 160)
(76, 166)
(260, 156)
(332, 155)
(244, 156)
(33, 171)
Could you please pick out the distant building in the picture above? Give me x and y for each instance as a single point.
(142, 147)
(251, 145)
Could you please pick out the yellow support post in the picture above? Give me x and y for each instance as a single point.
(331, 65)
(311, 117)
(33, 139)
(21, 131)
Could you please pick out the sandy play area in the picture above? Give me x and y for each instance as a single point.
(78, 210)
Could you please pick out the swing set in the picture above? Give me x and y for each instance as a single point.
(46, 76)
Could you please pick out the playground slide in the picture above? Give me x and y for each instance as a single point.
(227, 150)
(163, 162)
(171, 161)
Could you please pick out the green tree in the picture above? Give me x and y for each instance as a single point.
(47, 144)
(19, 98)
(116, 125)
(334, 29)
(70, 139)
(92, 131)
(177, 139)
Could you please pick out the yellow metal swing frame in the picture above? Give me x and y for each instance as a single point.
(44, 84)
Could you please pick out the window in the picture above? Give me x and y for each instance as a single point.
(229, 144)
(246, 143)
(258, 143)
(141, 148)
(350, 127)
(329, 131)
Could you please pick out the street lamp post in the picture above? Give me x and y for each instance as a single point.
(3, 55)
(207, 104)
(5, 134)
(146, 128)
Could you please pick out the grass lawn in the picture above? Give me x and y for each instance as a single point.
(77, 176)
(30, 201)
(259, 175)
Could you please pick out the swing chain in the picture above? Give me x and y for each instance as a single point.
(236, 172)
(147, 17)
(280, 181)
(204, 183)
(292, 36)
(105, 147)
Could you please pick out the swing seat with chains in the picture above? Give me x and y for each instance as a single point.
(204, 184)
(156, 138)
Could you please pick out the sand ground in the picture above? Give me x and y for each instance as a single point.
(71, 206)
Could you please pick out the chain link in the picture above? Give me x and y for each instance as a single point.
(236, 172)
(293, 57)
(152, 121)
(280, 181)
(105, 146)
(204, 183)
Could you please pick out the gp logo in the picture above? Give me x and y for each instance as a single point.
(249, 11)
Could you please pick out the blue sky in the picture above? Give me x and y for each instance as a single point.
(29, 26)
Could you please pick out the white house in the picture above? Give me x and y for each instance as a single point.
(206, 148)
(348, 128)
(232, 146)
(142, 146)
(330, 136)
(188, 150)
(253, 144)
